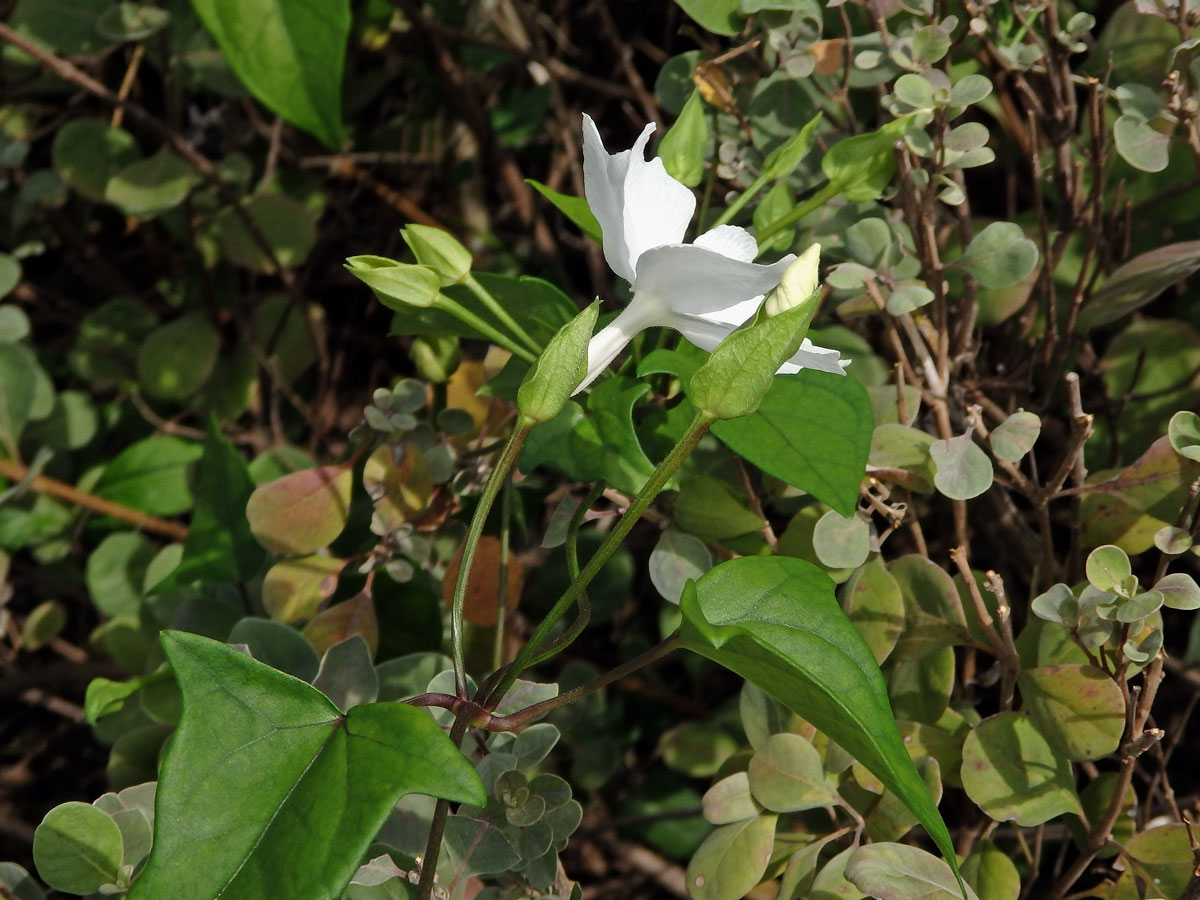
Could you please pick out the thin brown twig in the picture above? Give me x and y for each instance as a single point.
(54, 488)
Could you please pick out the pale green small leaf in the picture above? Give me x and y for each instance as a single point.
(1107, 568)
(840, 542)
(786, 774)
(10, 322)
(1000, 255)
(991, 872)
(963, 470)
(19, 882)
(1058, 604)
(1184, 433)
(151, 186)
(914, 90)
(1179, 591)
(888, 871)
(1140, 144)
(730, 800)
(1016, 435)
(732, 859)
(1079, 709)
(77, 848)
(17, 379)
(677, 557)
(907, 296)
(970, 89)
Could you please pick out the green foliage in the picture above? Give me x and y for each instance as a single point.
(287, 762)
(289, 56)
(775, 622)
(238, 486)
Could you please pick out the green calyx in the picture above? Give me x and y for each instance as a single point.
(557, 372)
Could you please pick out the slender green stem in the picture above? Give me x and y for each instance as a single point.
(687, 443)
(502, 587)
(493, 305)
(504, 463)
(584, 615)
(743, 198)
(820, 198)
(464, 315)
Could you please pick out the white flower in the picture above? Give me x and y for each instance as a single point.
(704, 289)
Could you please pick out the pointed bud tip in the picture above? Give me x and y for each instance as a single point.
(798, 284)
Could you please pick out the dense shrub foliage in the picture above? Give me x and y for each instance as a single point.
(348, 550)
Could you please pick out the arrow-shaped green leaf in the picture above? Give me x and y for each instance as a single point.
(269, 791)
(775, 621)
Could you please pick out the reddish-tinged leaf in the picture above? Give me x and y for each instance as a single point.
(293, 589)
(400, 489)
(301, 512)
(484, 586)
(350, 617)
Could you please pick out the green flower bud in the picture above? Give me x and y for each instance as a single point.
(439, 250)
(556, 374)
(738, 373)
(798, 284)
(397, 285)
(436, 356)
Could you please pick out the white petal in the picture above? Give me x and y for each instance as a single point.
(604, 187)
(657, 207)
(736, 314)
(704, 333)
(730, 240)
(642, 312)
(694, 280)
(810, 356)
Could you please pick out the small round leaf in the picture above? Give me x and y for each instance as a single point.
(840, 542)
(1012, 773)
(77, 848)
(1107, 568)
(963, 469)
(1183, 431)
(731, 860)
(1015, 436)
(1079, 709)
(786, 775)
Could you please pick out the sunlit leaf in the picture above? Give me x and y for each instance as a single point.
(268, 789)
(774, 621)
(289, 56)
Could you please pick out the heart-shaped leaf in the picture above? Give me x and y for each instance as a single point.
(268, 790)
